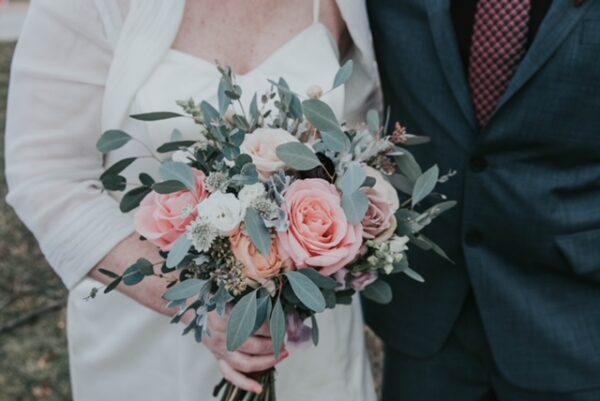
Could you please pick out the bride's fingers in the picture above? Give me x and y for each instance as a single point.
(238, 379)
(258, 346)
(249, 364)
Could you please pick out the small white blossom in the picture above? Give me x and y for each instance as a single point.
(202, 234)
(183, 156)
(217, 182)
(223, 211)
(314, 92)
(250, 193)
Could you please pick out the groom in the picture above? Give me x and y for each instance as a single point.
(509, 92)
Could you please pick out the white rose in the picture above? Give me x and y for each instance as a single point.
(222, 211)
(261, 146)
(251, 192)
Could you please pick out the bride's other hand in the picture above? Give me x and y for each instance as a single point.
(256, 355)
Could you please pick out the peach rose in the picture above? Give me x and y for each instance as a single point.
(162, 219)
(380, 223)
(319, 236)
(256, 267)
(261, 144)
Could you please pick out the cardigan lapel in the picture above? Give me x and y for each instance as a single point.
(147, 33)
(446, 45)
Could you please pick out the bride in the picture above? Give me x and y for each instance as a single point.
(82, 67)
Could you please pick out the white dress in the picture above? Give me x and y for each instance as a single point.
(80, 68)
(163, 364)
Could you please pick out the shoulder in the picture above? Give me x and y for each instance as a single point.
(100, 19)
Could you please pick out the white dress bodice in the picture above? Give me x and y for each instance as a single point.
(113, 340)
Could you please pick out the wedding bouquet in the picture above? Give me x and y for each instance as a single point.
(278, 214)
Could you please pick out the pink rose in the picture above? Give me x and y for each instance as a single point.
(162, 219)
(261, 146)
(319, 236)
(380, 223)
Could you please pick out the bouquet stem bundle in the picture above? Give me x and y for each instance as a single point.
(233, 393)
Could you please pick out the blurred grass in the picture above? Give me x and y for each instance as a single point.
(33, 357)
(33, 354)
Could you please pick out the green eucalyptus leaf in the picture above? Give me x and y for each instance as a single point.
(175, 171)
(118, 167)
(114, 284)
(343, 74)
(113, 182)
(156, 116)
(258, 232)
(224, 99)
(408, 166)
(324, 119)
(373, 121)
(425, 184)
(108, 273)
(145, 267)
(184, 289)
(297, 156)
(241, 323)
(379, 292)
(315, 329)
(112, 140)
(179, 251)
(307, 292)
(323, 282)
(132, 275)
(133, 198)
(146, 179)
(254, 111)
(221, 299)
(296, 107)
(263, 311)
(278, 328)
(355, 206)
(353, 179)
(173, 146)
(413, 274)
(168, 187)
(402, 184)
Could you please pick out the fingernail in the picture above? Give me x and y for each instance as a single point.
(258, 389)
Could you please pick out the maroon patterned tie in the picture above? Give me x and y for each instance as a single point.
(498, 45)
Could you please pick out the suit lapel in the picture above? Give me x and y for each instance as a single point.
(446, 45)
(560, 21)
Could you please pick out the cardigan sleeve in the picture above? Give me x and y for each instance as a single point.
(57, 84)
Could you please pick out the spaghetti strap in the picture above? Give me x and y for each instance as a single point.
(316, 10)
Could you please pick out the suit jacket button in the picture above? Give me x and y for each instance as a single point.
(474, 238)
(478, 164)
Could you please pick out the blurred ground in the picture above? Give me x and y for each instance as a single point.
(33, 357)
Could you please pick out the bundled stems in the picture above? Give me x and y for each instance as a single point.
(233, 393)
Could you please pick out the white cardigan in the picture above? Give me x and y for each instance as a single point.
(76, 69)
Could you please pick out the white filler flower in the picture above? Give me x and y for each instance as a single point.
(250, 193)
(222, 211)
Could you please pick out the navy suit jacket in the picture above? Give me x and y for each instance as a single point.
(526, 234)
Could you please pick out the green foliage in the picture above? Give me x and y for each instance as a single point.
(324, 119)
(241, 322)
(343, 74)
(425, 184)
(307, 291)
(179, 251)
(181, 172)
(379, 292)
(184, 290)
(278, 327)
(133, 198)
(156, 116)
(356, 205)
(297, 156)
(112, 140)
(258, 232)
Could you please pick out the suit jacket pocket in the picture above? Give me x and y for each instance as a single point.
(582, 250)
(590, 33)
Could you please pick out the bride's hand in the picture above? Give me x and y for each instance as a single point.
(256, 355)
